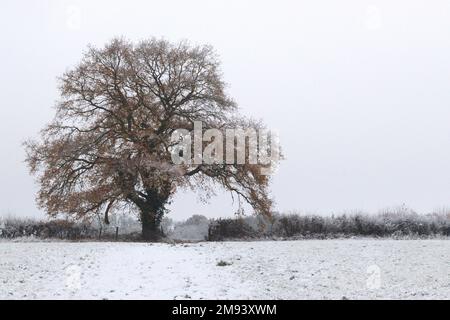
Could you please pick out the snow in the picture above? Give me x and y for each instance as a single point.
(313, 269)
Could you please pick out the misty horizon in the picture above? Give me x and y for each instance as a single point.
(358, 95)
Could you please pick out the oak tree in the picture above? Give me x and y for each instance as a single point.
(109, 146)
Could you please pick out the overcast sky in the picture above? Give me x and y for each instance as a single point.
(359, 91)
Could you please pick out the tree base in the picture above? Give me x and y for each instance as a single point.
(152, 234)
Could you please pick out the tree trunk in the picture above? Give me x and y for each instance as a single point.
(151, 230)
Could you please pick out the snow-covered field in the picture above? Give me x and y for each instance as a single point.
(331, 269)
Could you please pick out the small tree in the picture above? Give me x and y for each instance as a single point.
(110, 144)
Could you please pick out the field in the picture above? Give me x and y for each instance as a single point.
(312, 269)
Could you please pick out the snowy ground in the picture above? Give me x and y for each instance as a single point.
(331, 269)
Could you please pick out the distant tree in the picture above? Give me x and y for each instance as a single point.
(109, 147)
(197, 219)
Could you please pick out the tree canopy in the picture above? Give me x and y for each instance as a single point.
(110, 145)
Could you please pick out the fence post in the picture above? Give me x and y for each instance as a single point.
(117, 233)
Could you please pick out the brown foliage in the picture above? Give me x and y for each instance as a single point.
(109, 144)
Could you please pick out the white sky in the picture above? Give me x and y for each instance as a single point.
(359, 91)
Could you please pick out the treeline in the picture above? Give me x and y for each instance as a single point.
(13, 228)
(399, 223)
(59, 229)
(395, 223)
